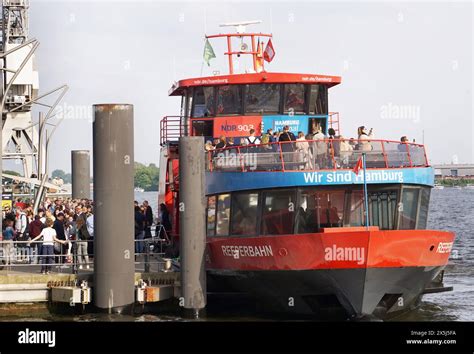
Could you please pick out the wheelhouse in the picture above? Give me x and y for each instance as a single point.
(232, 105)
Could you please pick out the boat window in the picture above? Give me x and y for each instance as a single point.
(294, 98)
(264, 98)
(278, 212)
(229, 100)
(355, 209)
(424, 204)
(318, 101)
(244, 213)
(318, 209)
(223, 215)
(203, 103)
(211, 216)
(382, 208)
(203, 128)
(409, 208)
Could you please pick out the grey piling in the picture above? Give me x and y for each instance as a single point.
(114, 225)
(81, 175)
(192, 225)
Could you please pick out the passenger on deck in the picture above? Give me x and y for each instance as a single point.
(222, 143)
(334, 147)
(265, 146)
(266, 140)
(252, 139)
(286, 137)
(275, 138)
(402, 147)
(320, 149)
(209, 146)
(364, 139)
(271, 136)
(304, 156)
(345, 151)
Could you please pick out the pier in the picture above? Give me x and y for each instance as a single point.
(24, 290)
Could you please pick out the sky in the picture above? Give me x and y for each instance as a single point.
(406, 67)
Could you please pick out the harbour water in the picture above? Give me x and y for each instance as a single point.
(450, 209)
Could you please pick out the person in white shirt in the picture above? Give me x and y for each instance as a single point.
(48, 234)
(364, 139)
(302, 146)
(345, 151)
(320, 148)
(252, 139)
(21, 223)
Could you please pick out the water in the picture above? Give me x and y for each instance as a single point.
(450, 209)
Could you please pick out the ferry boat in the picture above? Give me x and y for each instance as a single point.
(286, 223)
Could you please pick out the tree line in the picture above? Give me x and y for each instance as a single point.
(146, 177)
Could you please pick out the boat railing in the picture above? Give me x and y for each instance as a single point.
(313, 155)
(171, 129)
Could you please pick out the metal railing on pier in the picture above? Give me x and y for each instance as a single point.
(76, 256)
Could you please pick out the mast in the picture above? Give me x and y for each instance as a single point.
(243, 49)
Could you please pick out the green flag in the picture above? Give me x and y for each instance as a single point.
(208, 52)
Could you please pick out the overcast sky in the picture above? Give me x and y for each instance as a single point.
(392, 56)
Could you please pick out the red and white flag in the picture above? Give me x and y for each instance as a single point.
(358, 166)
(269, 52)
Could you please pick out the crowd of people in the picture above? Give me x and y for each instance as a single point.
(315, 150)
(61, 232)
(144, 222)
(45, 235)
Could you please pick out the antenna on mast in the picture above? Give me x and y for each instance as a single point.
(240, 26)
(255, 50)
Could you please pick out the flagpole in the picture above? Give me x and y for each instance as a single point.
(202, 63)
(366, 197)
